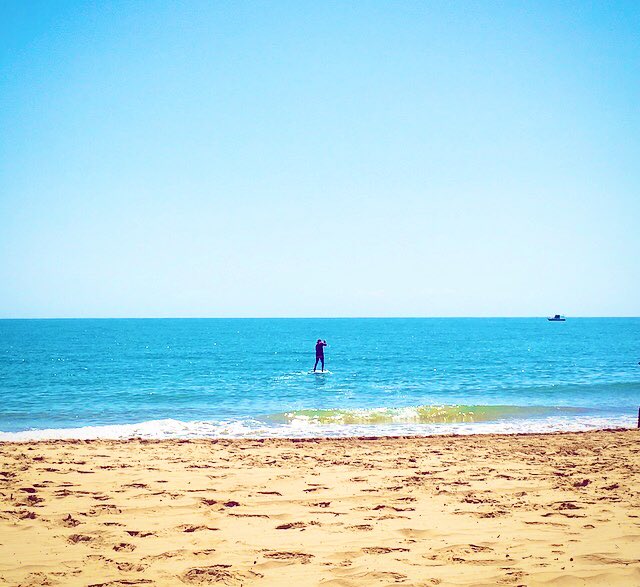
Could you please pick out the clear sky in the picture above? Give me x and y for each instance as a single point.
(319, 158)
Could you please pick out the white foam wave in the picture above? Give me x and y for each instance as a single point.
(303, 428)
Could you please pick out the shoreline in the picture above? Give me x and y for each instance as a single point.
(520, 509)
(311, 439)
(255, 429)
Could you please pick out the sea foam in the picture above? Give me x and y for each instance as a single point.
(304, 428)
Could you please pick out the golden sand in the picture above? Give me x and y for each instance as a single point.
(559, 509)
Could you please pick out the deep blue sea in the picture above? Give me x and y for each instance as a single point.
(160, 378)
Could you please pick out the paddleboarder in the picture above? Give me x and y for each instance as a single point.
(320, 344)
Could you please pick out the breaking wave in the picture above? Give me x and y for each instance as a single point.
(336, 423)
(420, 414)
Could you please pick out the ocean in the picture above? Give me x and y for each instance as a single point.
(228, 378)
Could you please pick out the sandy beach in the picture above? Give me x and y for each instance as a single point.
(560, 509)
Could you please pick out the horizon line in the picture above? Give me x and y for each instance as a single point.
(295, 317)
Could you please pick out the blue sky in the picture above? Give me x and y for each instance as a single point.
(319, 159)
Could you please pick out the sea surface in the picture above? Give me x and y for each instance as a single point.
(163, 378)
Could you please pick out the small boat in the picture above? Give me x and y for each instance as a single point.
(557, 318)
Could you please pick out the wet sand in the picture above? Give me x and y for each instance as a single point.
(554, 509)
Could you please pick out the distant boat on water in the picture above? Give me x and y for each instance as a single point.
(557, 318)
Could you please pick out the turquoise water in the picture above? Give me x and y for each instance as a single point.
(250, 377)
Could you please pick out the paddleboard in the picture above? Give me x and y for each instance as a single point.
(318, 372)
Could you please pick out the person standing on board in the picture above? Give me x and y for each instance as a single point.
(320, 344)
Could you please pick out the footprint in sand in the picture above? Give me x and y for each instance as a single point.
(382, 507)
(205, 552)
(478, 548)
(130, 567)
(125, 547)
(299, 557)
(182, 553)
(191, 528)
(37, 580)
(102, 509)
(122, 583)
(79, 538)
(31, 500)
(382, 550)
(19, 514)
(217, 574)
(292, 526)
(70, 522)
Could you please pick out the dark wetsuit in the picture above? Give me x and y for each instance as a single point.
(320, 354)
